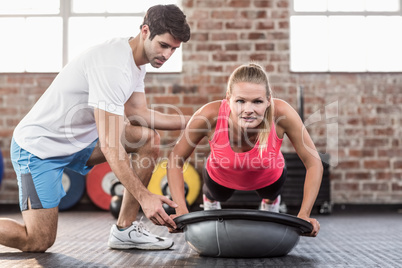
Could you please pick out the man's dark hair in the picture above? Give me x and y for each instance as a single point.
(167, 19)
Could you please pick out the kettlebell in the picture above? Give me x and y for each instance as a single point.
(166, 191)
(169, 210)
(115, 202)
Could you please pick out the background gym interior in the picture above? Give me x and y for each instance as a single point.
(338, 63)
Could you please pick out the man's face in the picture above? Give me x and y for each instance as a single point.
(159, 49)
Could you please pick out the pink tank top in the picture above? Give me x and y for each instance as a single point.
(243, 171)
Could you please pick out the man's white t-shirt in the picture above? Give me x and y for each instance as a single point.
(62, 122)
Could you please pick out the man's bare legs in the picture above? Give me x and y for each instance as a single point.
(143, 144)
(144, 158)
(36, 234)
(39, 230)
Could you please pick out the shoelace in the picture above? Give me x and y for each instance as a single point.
(140, 227)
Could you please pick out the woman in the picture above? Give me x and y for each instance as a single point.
(245, 133)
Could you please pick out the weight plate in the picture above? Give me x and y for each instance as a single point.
(99, 183)
(191, 178)
(74, 186)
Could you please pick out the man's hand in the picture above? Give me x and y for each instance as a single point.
(152, 207)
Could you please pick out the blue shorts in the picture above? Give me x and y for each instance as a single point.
(39, 180)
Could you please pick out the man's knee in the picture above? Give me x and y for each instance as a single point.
(39, 243)
(155, 140)
(40, 229)
(141, 139)
(152, 147)
(152, 143)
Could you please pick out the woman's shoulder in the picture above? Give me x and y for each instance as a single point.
(210, 110)
(285, 115)
(206, 116)
(281, 107)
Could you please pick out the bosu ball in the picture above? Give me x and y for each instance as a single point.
(242, 233)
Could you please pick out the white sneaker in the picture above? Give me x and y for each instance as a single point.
(274, 207)
(137, 236)
(208, 205)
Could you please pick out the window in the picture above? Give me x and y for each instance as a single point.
(346, 36)
(43, 35)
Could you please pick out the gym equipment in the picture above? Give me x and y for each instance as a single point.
(117, 197)
(101, 179)
(165, 188)
(158, 183)
(99, 183)
(242, 233)
(292, 193)
(1, 167)
(74, 186)
(169, 210)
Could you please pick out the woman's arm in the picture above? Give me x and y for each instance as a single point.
(291, 124)
(201, 124)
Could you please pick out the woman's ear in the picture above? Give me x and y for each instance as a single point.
(269, 102)
(227, 96)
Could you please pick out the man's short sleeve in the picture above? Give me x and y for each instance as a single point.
(109, 88)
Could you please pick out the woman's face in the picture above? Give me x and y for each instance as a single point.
(248, 104)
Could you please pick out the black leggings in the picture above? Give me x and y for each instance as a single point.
(217, 192)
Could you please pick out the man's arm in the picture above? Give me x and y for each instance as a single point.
(138, 113)
(110, 128)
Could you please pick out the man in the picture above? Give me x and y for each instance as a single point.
(80, 122)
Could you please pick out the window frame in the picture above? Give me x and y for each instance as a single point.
(65, 13)
(327, 13)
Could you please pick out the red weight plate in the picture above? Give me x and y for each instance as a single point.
(99, 183)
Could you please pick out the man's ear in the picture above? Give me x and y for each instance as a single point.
(145, 31)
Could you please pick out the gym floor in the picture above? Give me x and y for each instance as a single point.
(357, 239)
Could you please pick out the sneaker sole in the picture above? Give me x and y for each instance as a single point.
(140, 246)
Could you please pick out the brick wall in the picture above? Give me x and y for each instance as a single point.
(356, 118)
(18, 93)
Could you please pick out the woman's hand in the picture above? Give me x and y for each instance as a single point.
(173, 230)
(316, 226)
(172, 216)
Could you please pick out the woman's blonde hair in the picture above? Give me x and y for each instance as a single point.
(254, 73)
